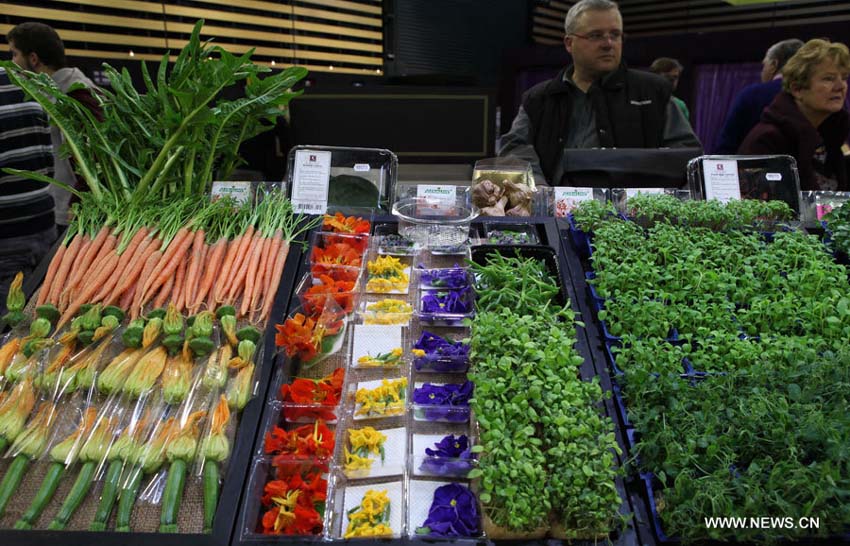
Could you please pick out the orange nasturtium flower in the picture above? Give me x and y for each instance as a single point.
(337, 254)
(342, 224)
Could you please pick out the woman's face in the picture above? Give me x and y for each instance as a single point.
(827, 89)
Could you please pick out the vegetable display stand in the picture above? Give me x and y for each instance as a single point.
(145, 520)
(396, 462)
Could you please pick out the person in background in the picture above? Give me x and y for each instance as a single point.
(807, 119)
(751, 101)
(672, 70)
(596, 102)
(37, 47)
(27, 226)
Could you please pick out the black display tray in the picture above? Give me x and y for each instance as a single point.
(234, 477)
(565, 263)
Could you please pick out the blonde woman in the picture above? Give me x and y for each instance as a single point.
(808, 119)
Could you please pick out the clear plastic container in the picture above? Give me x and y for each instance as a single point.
(390, 243)
(387, 274)
(338, 249)
(378, 346)
(313, 290)
(442, 455)
(379, 399)
(385, 310)
(423, 494)
(434, 353)
(510, 234)
(442, 402)
(431, 224)
(348, 496)
(373, 451)
(444, 278)
(445, 307)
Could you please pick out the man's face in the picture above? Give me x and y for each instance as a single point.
(597, 44)
(20, 59)
(673, 77)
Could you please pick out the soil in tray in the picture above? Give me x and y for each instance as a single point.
(145, 515)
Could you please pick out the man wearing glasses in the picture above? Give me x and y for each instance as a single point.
(595, 103)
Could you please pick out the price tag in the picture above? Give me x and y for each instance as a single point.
(568, 198)
(721, 180)
(239, 191)
(310, 181)
(440, 199)
(362, 167)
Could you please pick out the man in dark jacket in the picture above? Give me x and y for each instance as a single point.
(752, 100)
(597, 102)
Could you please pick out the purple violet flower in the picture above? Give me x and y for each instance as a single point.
(450, 402)
(441, 355)
(445, 278)
(453, 513)
(447, 301)
(452, 457)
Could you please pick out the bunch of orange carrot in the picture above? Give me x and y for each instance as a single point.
(194, 256)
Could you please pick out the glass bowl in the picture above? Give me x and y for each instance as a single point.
(431, 223)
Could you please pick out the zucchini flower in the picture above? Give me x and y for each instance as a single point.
(185, 442)
(203, 325)
(96, 446)
(91, 318)
(177, 378)
(15, 409)
(33, 346)
(132, 336)
(216, 446)
(116, 371)
(89, 366)
(151, 332)
(66, 451)
(15, 301)
(239, 390)
(245, 354)
(172, 324)
(228, 326)
(32, 441)
(54, 369)
(7, 353)
(146, 372)
(151, 455)
(40, 327)
(20, 366)
(126, 446)
(215, 373)
(48, 311)
(107, 325)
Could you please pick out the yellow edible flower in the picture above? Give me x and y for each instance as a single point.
(391, 358)
(388, 311)
(365, 442)
(371, 519)
(386, 399)
(386, 274)
(286, 514)
(357, 466)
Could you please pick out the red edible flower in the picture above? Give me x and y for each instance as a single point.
(336, 254)
(316, 296)
(342, 224)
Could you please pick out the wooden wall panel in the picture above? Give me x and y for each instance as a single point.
(322, 35)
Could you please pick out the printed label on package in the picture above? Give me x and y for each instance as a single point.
(568, 198)
(362, 167)
(238, 191)
(721, 180)
(310, 181)
(439, 199)
(773, 177)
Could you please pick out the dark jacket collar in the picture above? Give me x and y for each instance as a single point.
(610, 81)
(784, 113)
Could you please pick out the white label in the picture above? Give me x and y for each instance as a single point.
(773, 177)
(633, 192)
(567, 198)
(441, 199)
(239, 191)
(310, 182)
(362, 167)
(721, 180)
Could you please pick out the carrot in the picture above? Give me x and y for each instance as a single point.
(256, 253)
(238, 282)
(79, 244)
(196, 282)
(127, 299)
(178, 245)
(150, 263)
(195, 263)
(162, 297)
(134, 268)
(177, 294)
(280, 261)
(82, 267)
(51, 273)
(126, 258)
(230, 269)
(229, 258)
(214, 256)
(277, 241)
(259, 279)
(179, 255)
(106, 249)
(91, 286)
